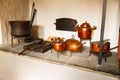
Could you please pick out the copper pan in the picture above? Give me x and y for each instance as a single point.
(96, 47)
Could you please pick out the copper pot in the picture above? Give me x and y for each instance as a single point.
(85, 30)
(58, 44)
(96, 47)
(73, 45)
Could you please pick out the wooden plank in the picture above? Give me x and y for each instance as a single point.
(119, 37)
(119, 48)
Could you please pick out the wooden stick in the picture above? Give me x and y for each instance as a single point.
(119, 48)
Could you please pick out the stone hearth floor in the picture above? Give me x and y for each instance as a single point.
(81, 59)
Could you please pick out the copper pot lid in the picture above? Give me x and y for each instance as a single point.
(85, 25)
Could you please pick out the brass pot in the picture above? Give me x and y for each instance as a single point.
(73, 45)
(85, 30)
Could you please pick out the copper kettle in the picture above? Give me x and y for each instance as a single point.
(85, 30)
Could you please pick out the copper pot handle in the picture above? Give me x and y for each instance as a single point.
(76, 27)
(94, 28)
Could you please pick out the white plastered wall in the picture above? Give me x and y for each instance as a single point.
(81, 10)
(0, 33)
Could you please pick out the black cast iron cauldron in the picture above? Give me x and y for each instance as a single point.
(20, 28)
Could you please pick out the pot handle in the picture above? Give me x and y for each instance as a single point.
(94, 28)
(33, 16)
(81, 44)
(54, 23)
(76, 27)
(32, 11)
